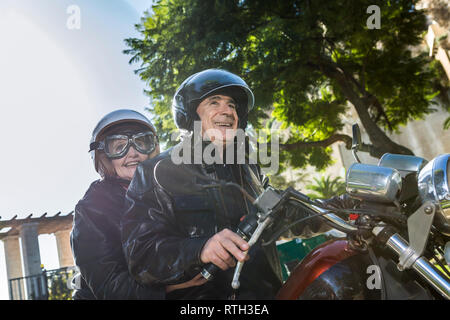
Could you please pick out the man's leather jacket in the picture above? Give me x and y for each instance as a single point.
(166, 226)
(97, 247)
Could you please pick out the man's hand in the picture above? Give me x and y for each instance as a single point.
(222, 247)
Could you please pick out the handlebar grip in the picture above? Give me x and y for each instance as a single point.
(209, 271)
(245, 229)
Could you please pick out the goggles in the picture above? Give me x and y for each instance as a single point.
(116, 146)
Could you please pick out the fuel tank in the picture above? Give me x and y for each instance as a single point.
(335, 271)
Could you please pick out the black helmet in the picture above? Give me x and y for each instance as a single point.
(201, 85)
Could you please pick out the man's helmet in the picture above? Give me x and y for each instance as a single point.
(112, 119)
(203, 84)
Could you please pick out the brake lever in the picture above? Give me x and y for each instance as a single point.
(235, 284)
(267, 202)
(251, 225)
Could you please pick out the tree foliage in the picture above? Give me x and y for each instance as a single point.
(305, 60)
(326, 187)
(282, 182)
(59, 289)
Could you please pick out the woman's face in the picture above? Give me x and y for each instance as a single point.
(126, 166)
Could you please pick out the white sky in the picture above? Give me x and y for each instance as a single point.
(55, 84)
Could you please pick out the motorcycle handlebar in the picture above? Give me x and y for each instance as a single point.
(331, 217)
(247, 227)
(421, 265)
(245, 230)
(209, 271)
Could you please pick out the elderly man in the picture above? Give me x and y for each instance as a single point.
(169, 233)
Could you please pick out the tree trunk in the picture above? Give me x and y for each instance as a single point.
(381, 143)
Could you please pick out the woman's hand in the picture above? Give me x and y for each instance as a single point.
(198, 280)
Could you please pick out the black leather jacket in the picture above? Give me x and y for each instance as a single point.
(97, 247)
(166, 226)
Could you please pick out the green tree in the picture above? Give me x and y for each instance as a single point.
(305, 59)
(280, 182)
(58, 289)
(326, 187)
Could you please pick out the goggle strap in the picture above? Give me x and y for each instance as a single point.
(94, 146)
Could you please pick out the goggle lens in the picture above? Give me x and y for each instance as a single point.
(145, 142)
(117, 146)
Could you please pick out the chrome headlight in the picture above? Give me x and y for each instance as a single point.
(373, 183)
(433, 183)
(403, 163)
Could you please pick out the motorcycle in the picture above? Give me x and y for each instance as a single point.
(401, 197)
(397, 243)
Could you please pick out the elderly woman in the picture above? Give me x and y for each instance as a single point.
(120, 141)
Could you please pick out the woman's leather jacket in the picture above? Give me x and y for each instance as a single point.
(97, 247)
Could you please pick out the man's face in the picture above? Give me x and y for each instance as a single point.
(219, 118)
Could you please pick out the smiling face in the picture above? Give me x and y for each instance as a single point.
(126, 166)
(219, 118)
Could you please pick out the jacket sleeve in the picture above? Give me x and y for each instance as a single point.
(157, 251)
(98, 253)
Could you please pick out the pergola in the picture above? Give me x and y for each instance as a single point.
(16, 233)
(46, 225)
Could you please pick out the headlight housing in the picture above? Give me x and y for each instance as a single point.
(433, 183)
(373, 183)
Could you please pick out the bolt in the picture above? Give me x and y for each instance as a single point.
(428, 210)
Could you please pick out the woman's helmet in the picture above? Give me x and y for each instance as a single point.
(203, 84)
(115, 118)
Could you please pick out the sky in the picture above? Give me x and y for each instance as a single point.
(58, 76)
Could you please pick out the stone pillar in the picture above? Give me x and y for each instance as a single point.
(14, 267)
(32, 261)
(64, 249)
(30, 248)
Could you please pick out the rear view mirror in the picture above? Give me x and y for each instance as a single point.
(356, 141)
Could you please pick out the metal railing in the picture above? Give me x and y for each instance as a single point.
(49, 285)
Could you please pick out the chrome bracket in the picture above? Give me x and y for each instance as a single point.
(419, 225)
